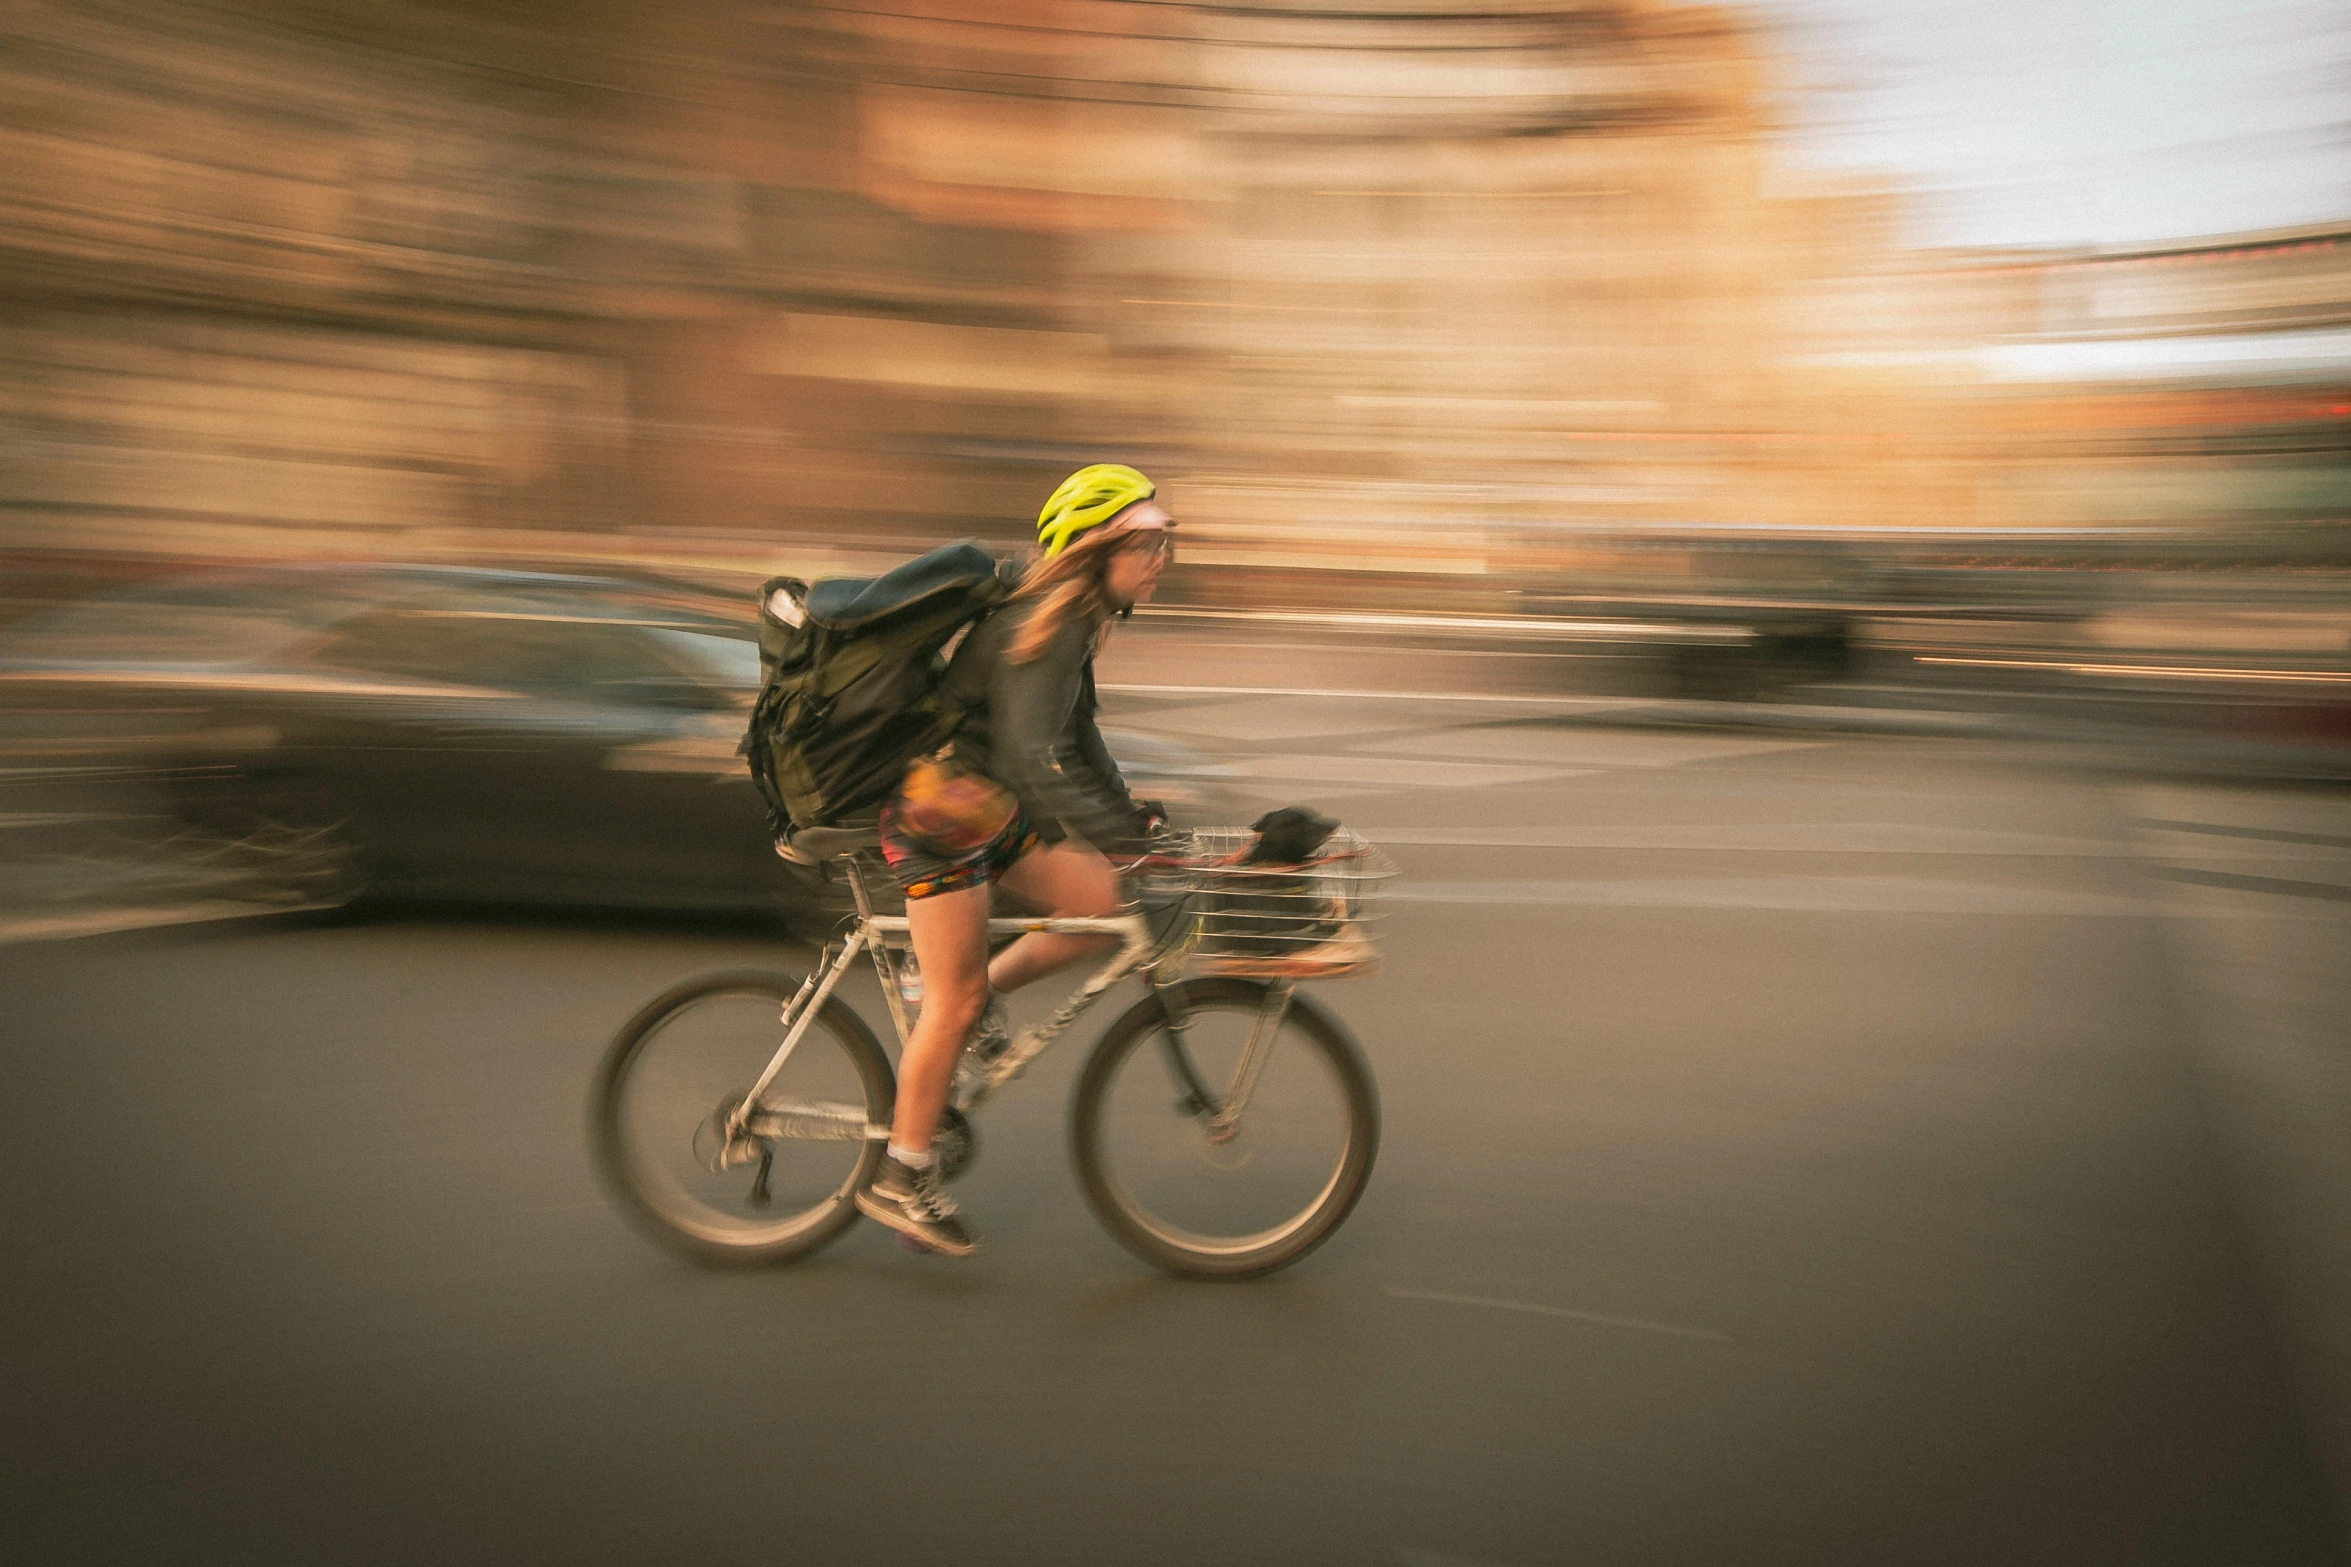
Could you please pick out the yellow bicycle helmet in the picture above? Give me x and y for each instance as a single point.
(1087, 499)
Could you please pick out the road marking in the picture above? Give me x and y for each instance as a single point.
(2295, 677)
(1578, 746)
(2324, 840)
(1763, 837)
(1784, 894)
(1599, 1318)
(1669, 711)
(1399, 772)
(1298, 720)
(2271, 884)
(1425, 657)
(1592, 704)
(1513, 626)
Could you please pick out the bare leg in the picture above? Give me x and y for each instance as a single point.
(1068, 878)
(950, 933)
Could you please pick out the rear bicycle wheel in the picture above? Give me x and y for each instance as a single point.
(673, 1082)
(1224, 1198)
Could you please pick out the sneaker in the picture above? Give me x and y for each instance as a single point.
(915, 1204)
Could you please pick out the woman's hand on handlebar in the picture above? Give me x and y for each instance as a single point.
(1164, 848)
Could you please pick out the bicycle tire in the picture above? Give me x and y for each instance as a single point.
(837, 1050)
(1172, 1246)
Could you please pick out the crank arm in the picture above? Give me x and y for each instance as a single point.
(813, 1120)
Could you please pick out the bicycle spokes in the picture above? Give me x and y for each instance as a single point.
(1257, 1126)
(715, 1170)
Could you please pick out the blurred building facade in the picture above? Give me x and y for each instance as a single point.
(1410, 284)
(1443, 291)
(391, 278)
(2202, 386)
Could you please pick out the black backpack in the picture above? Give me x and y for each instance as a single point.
(850, 688)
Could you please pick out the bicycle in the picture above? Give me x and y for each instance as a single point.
(1239, 1151)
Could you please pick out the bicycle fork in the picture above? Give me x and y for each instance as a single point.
(1223, 1117)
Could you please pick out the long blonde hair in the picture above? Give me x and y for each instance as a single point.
(1064, 587)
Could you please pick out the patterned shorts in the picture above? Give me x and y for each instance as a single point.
(946, 830)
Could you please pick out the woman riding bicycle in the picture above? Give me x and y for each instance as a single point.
(1026, 795)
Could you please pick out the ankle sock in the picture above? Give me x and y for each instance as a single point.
(913, 1159)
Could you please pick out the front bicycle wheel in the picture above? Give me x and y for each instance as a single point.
(1206, 1160)
(696, 1170)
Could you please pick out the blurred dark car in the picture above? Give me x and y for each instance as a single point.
(1731, 612)
(441, 733)
(427, 732)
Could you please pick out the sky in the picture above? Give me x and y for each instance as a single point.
(2077, 122)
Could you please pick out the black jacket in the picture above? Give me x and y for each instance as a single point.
(1031, 728)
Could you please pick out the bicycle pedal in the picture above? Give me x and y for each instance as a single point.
(909, 1243)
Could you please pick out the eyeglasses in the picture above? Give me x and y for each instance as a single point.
(1157, 542)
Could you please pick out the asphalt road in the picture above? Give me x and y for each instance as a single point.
(1797, 1149)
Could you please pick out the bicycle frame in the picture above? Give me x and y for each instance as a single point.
(884, 935)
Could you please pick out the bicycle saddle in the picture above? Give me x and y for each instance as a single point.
(810, 845)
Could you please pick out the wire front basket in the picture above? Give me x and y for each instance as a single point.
(1306, 921)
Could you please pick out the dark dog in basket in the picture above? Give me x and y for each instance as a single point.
(1255, 912)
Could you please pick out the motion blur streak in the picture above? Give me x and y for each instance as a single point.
(1819, 530)
(2172, 671)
